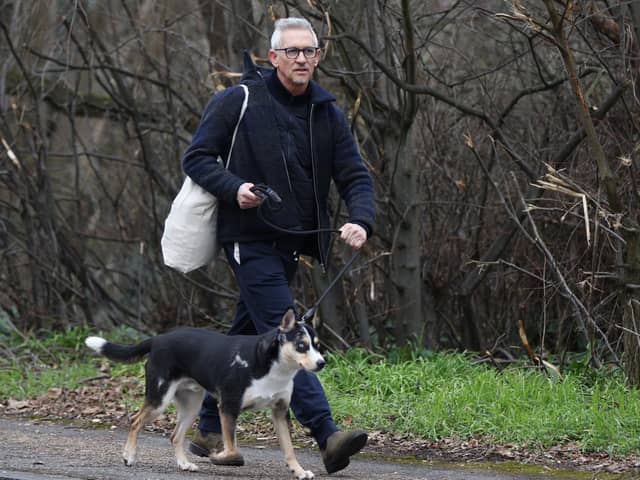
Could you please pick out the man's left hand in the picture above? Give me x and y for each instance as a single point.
(353, 235)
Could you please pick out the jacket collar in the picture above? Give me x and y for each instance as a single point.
(282, 95)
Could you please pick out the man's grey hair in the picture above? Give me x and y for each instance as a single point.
(291, 23)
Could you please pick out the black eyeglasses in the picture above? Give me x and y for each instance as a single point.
(293, 52)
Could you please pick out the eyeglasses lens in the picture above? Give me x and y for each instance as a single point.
(293, 52)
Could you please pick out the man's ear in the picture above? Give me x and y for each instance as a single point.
(288, 321)
(273, 58)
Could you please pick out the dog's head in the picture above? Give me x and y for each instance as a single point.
(299, 343)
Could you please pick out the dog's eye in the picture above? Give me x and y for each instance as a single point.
(302, 347)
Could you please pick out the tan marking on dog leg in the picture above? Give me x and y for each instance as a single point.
(228, 424)
(279, 417)
(187, 404)
(146, 414)
(230, 454)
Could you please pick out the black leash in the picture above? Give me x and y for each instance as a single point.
(272, 199)
(269, 196)
(308, 315)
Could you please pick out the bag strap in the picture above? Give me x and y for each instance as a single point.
(235, 131)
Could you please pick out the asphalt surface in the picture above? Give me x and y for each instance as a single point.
(42, 451)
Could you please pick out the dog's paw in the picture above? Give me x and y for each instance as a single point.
(129, 458)
(305, 475)
(187, 466)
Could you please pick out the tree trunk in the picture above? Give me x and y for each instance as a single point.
(405, 271)
(216, 31)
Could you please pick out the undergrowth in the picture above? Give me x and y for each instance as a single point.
(426, 394)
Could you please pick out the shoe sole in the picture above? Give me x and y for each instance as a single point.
(337, 466)
(198, 450)
(230, 462)
(203, 452)
(352, 448)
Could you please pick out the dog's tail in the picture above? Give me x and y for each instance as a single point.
(121, 353)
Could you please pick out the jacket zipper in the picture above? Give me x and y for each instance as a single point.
(315, 192)
(286, 171)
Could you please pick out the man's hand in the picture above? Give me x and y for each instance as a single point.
(246, 198)
(353, 235)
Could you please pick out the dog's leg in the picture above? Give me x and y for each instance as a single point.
(279, 417)
(145, 415)
(158, 395)
(230, 455)
(188, 402)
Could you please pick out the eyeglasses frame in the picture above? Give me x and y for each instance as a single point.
(298, 51)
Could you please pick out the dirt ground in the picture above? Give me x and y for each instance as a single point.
(98, 402)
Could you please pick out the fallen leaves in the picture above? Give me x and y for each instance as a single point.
(568, 455)
(99, 400)
(17, 404)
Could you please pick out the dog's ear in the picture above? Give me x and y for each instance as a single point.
(288, 321)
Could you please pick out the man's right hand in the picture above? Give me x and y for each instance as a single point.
(246, 198)
(353, 234)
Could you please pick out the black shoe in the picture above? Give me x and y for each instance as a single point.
(205, 443)
(340, 446)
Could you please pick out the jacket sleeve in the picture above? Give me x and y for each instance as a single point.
(351, 176)
(211, 140)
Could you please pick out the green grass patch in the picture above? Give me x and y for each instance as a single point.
(430, 395)
(57, 359)
(446, 395)
(21, 383)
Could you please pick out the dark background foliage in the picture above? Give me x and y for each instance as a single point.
(502, 137)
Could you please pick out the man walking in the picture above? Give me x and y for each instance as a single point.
(295, 140)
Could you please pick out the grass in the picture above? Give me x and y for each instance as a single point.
(57, 359)
(434, 396)
(445, 395)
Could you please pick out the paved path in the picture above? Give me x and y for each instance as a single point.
(32, 451)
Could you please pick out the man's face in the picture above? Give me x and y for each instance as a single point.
(295, 73)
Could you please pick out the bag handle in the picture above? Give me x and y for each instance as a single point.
(235, 131)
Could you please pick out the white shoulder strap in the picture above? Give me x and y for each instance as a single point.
(235, 131)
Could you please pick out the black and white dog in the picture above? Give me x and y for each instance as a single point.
(242, 372)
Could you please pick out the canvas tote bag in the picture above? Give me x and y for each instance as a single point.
(189, 240)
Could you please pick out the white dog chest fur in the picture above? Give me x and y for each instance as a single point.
(267, 391)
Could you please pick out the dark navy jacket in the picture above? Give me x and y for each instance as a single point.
(258, 157)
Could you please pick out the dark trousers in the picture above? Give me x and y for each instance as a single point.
(264, 271)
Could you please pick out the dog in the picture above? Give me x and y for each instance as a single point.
(241, 371)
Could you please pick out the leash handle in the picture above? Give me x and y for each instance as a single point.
(264, 191)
